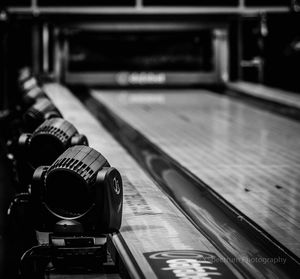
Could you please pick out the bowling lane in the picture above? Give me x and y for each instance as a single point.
(249, 156)
(151, 222)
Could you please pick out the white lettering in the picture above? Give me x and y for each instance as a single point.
(146, 78)
(191, 268)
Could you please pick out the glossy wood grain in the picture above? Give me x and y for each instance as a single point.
(268, 93)
(151, 222)
(249, 156)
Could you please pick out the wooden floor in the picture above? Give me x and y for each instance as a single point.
(151, 222)
(291, 99)
(249, 156)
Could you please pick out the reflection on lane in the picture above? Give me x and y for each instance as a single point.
(246, 154)
(208, 211)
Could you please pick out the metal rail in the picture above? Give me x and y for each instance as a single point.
(145, 10)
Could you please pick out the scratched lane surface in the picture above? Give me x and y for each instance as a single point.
(250, 157)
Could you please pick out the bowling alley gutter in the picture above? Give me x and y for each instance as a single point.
(164, 171)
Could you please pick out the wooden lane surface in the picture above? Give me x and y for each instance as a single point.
(249, 156)
(151, 222)
(267, 93)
